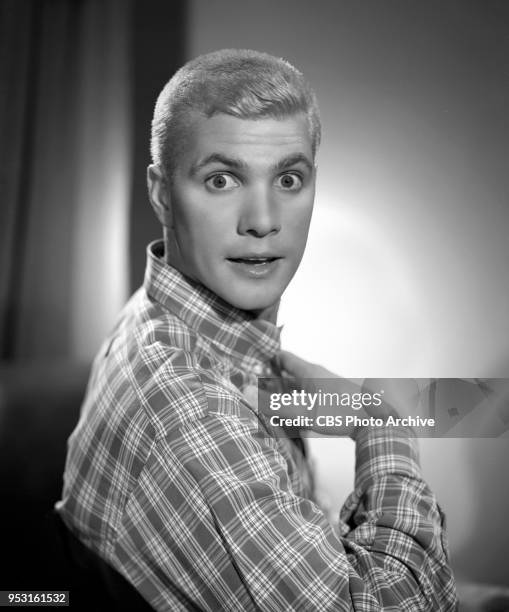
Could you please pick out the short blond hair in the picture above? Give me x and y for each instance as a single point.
(239, 82)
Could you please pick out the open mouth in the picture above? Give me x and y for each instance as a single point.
(254, 261)
(255, 266)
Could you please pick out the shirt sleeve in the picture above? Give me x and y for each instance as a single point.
(215, 523)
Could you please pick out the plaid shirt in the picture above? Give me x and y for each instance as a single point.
(172, 480)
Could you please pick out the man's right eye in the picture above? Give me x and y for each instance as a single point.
(221, 182)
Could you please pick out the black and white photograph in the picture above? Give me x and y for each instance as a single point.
(254, 305)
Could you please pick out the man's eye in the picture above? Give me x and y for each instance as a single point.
(221, 182)
(289, 181)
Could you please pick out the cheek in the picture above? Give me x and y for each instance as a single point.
(191, 217)
(297, 225)
(201, 232)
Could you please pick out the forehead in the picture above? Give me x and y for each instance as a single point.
(256, 142)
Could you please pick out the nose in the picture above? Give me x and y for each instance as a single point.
(260, 214)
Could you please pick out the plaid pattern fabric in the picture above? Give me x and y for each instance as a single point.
(170, 478)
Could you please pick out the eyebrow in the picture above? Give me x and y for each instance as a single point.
(293, 160)
(231, 162)
(239, 164)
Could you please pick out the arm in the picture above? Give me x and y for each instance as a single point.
(215, 519)
(394, 524)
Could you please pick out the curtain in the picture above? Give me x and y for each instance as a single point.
(78, 83)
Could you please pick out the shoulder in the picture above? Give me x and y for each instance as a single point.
(156, 363)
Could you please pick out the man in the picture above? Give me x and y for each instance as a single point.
(171, 476)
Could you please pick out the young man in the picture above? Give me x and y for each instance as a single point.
(171, 476)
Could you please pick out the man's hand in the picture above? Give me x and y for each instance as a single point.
(400, 397)
(298, 368)
(306, 375)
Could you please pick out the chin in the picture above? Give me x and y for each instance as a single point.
(257, 301)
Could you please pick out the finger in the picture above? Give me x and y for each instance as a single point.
(300, 368)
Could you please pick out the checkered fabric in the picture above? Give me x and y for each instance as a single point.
(172, 479)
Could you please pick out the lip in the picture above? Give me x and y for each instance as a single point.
(255, 265)
(253, 255)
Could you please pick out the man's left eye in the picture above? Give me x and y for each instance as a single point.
(289, 181)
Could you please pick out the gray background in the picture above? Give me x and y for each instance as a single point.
(406, 271)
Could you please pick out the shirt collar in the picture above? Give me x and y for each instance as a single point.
(235, 332)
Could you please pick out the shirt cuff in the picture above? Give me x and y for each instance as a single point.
(385, 450)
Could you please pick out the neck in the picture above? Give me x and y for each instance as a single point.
(269, 313)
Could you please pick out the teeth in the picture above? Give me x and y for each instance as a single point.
(254, 259)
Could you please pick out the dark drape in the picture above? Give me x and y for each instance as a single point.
(159, 48)
(39, 47)
(78, 83)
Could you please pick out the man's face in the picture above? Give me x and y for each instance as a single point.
(240, 205)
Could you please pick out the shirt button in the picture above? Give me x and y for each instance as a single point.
(258, 369)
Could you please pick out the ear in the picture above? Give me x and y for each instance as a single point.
(159, 195)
